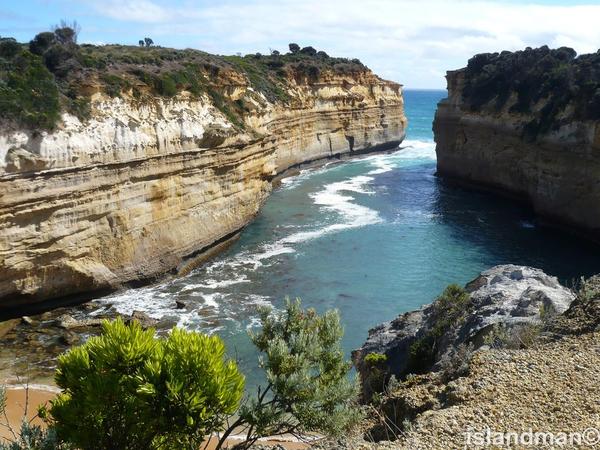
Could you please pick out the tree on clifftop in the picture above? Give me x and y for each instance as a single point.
(294, 48)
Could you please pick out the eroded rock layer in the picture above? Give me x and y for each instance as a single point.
(522, 124)
(131, 193)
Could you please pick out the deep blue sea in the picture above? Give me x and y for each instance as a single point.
(372, 237)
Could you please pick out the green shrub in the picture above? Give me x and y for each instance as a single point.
(376, 375)
(114, 84)
(448, 311)
(28, 436)
(375, 359)
(308, 388)
(28, 92)
(41, 42)
(126, 389)
(552, 86)
(166, 86)
(9, 48)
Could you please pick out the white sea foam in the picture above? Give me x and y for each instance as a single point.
(338, 200)
(304, 174)
(414, 149)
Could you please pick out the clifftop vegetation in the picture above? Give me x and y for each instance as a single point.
(553, 85)
(53, 73)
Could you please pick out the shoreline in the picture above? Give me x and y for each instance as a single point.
(199, 257)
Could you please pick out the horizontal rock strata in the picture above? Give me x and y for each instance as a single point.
(552, 165)
(130, 194)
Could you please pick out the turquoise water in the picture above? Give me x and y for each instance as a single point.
(373, 237)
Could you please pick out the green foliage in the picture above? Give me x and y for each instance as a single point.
(376, 375)
(114, 84)
(308, 388)
(9, 48)
(33, 437)
(375, 359)
(166, 86)
(144, 70)
(547, 82)
(261, 76)
(448, 311)
(41, 42)
(127, 389)
(28, 92)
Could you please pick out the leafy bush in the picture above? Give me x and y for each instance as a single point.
(448, 311)
(376, 374)
(9, 48)
(375, 359)
(127, 389)
(309, 51)
(42, 42)
(545, 82)
(308, 389)
(28, 92)
(163, 71)
(166, 86)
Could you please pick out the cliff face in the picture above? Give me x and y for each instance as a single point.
(142, 185)
(524, 124)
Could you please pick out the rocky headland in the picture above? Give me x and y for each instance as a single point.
(517, 352)
(527, 124)
(137, 160)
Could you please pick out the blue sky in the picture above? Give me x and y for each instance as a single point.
(412, 42)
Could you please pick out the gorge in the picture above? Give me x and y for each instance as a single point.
(148, 180)
(244, 160)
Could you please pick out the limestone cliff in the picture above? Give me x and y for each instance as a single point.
(142, 184)
(527, 124)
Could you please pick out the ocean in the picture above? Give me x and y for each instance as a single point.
(373, 237)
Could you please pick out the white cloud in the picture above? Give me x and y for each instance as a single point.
(412, 42)
(144, 11)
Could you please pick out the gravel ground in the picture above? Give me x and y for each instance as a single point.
(550, 387)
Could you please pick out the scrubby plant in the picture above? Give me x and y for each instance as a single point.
(552, 86)
(376, 374)
(308, 388)
(28, 92)
(9, 48)
(517, 336)
(144, 72)
(127, 389)
(447, 311)
(456, 363)
(42, 42)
